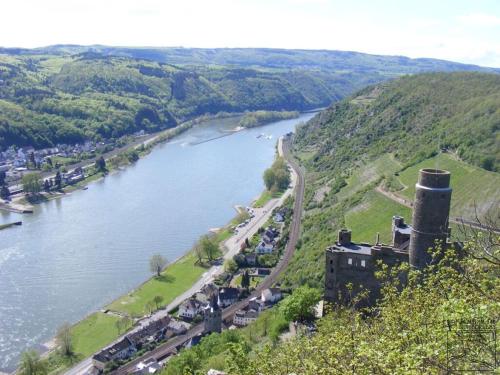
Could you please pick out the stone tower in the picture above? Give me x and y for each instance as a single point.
(212, 316)
(430, 215)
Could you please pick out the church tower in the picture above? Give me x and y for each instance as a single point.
(212, 316)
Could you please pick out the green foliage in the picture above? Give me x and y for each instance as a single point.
(209, 247)
(32, 183)
(416, 328)
(300, 305)
(277, 177)
(31, 364)
(257, 118)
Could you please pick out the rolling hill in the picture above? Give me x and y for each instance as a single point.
(67, 94)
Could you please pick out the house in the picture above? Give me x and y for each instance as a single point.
(151, 332)
(244, 317)
(260, 272)
(176, 327)
(151, 366)
(256, 304)
(251, 259)
(279, 217)
(264, 247)
(228, 296)
(121, 350)
(271, 295)
(190, 308)
(270, 235)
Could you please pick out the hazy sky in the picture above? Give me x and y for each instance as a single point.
(460, 30)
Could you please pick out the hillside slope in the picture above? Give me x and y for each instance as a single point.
(353, 145)
(67, 94)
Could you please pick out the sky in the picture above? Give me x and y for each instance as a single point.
(459, 30)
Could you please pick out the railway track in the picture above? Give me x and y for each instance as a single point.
(169, 347)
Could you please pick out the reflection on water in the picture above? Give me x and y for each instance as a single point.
(75, 254)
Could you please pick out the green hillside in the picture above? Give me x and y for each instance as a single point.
(68, 94)
(345, 150)
(49, 99)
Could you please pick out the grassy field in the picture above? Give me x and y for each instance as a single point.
(471, 185)
(94, 332)
(373, 215)
(265, 197)
(176, 279)
(385, 165)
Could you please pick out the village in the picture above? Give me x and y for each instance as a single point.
(17, 161)
(204, 308)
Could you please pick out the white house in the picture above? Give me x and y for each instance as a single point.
(264, 248)
(244, 317)
(190, 308)
(271, 295)
(228, 296)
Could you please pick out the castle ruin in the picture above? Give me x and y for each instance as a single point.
(350, 267)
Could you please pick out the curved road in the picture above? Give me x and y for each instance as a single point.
(167, 348)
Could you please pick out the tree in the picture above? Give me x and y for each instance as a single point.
(31, 183)
(3, 176)
(123, 323)
(149, 307)
(198, 251)
(157, 263)
(46, 185)
(65, 339)
(157, 300)
(58, 180)
(4, 192)
(230, 266)
(31, 364)
(300, 305)
(100, 165)
(245, 280)
(210, 247)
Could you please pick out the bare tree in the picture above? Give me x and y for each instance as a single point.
(65, 339)
(157, 263)
(149, 307)
(484, 233)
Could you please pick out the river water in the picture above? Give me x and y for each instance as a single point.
(76, 254)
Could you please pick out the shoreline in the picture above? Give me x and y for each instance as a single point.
(48, 345)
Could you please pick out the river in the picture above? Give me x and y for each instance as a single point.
(76, 254)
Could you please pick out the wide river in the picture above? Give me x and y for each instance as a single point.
(76, 254)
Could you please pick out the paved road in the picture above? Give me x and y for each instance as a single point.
(164, 350)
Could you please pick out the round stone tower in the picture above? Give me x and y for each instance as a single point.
(430, 215)
(212, 317)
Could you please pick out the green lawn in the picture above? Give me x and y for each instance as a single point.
(177, 278)
(471, 185)
(94, 332)
(373, 215)
(265, 197)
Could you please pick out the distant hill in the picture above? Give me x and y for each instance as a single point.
(271, 58)
(68, 93)
(382, 135)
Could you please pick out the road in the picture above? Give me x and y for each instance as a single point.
(165, 349)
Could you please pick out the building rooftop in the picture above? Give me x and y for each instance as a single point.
(362, 248)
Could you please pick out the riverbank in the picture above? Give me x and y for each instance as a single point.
(178, 282)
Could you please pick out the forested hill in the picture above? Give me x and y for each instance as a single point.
(413, 117)
(68, 94)
(268, 58)
(46, 100)
(383, 135)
